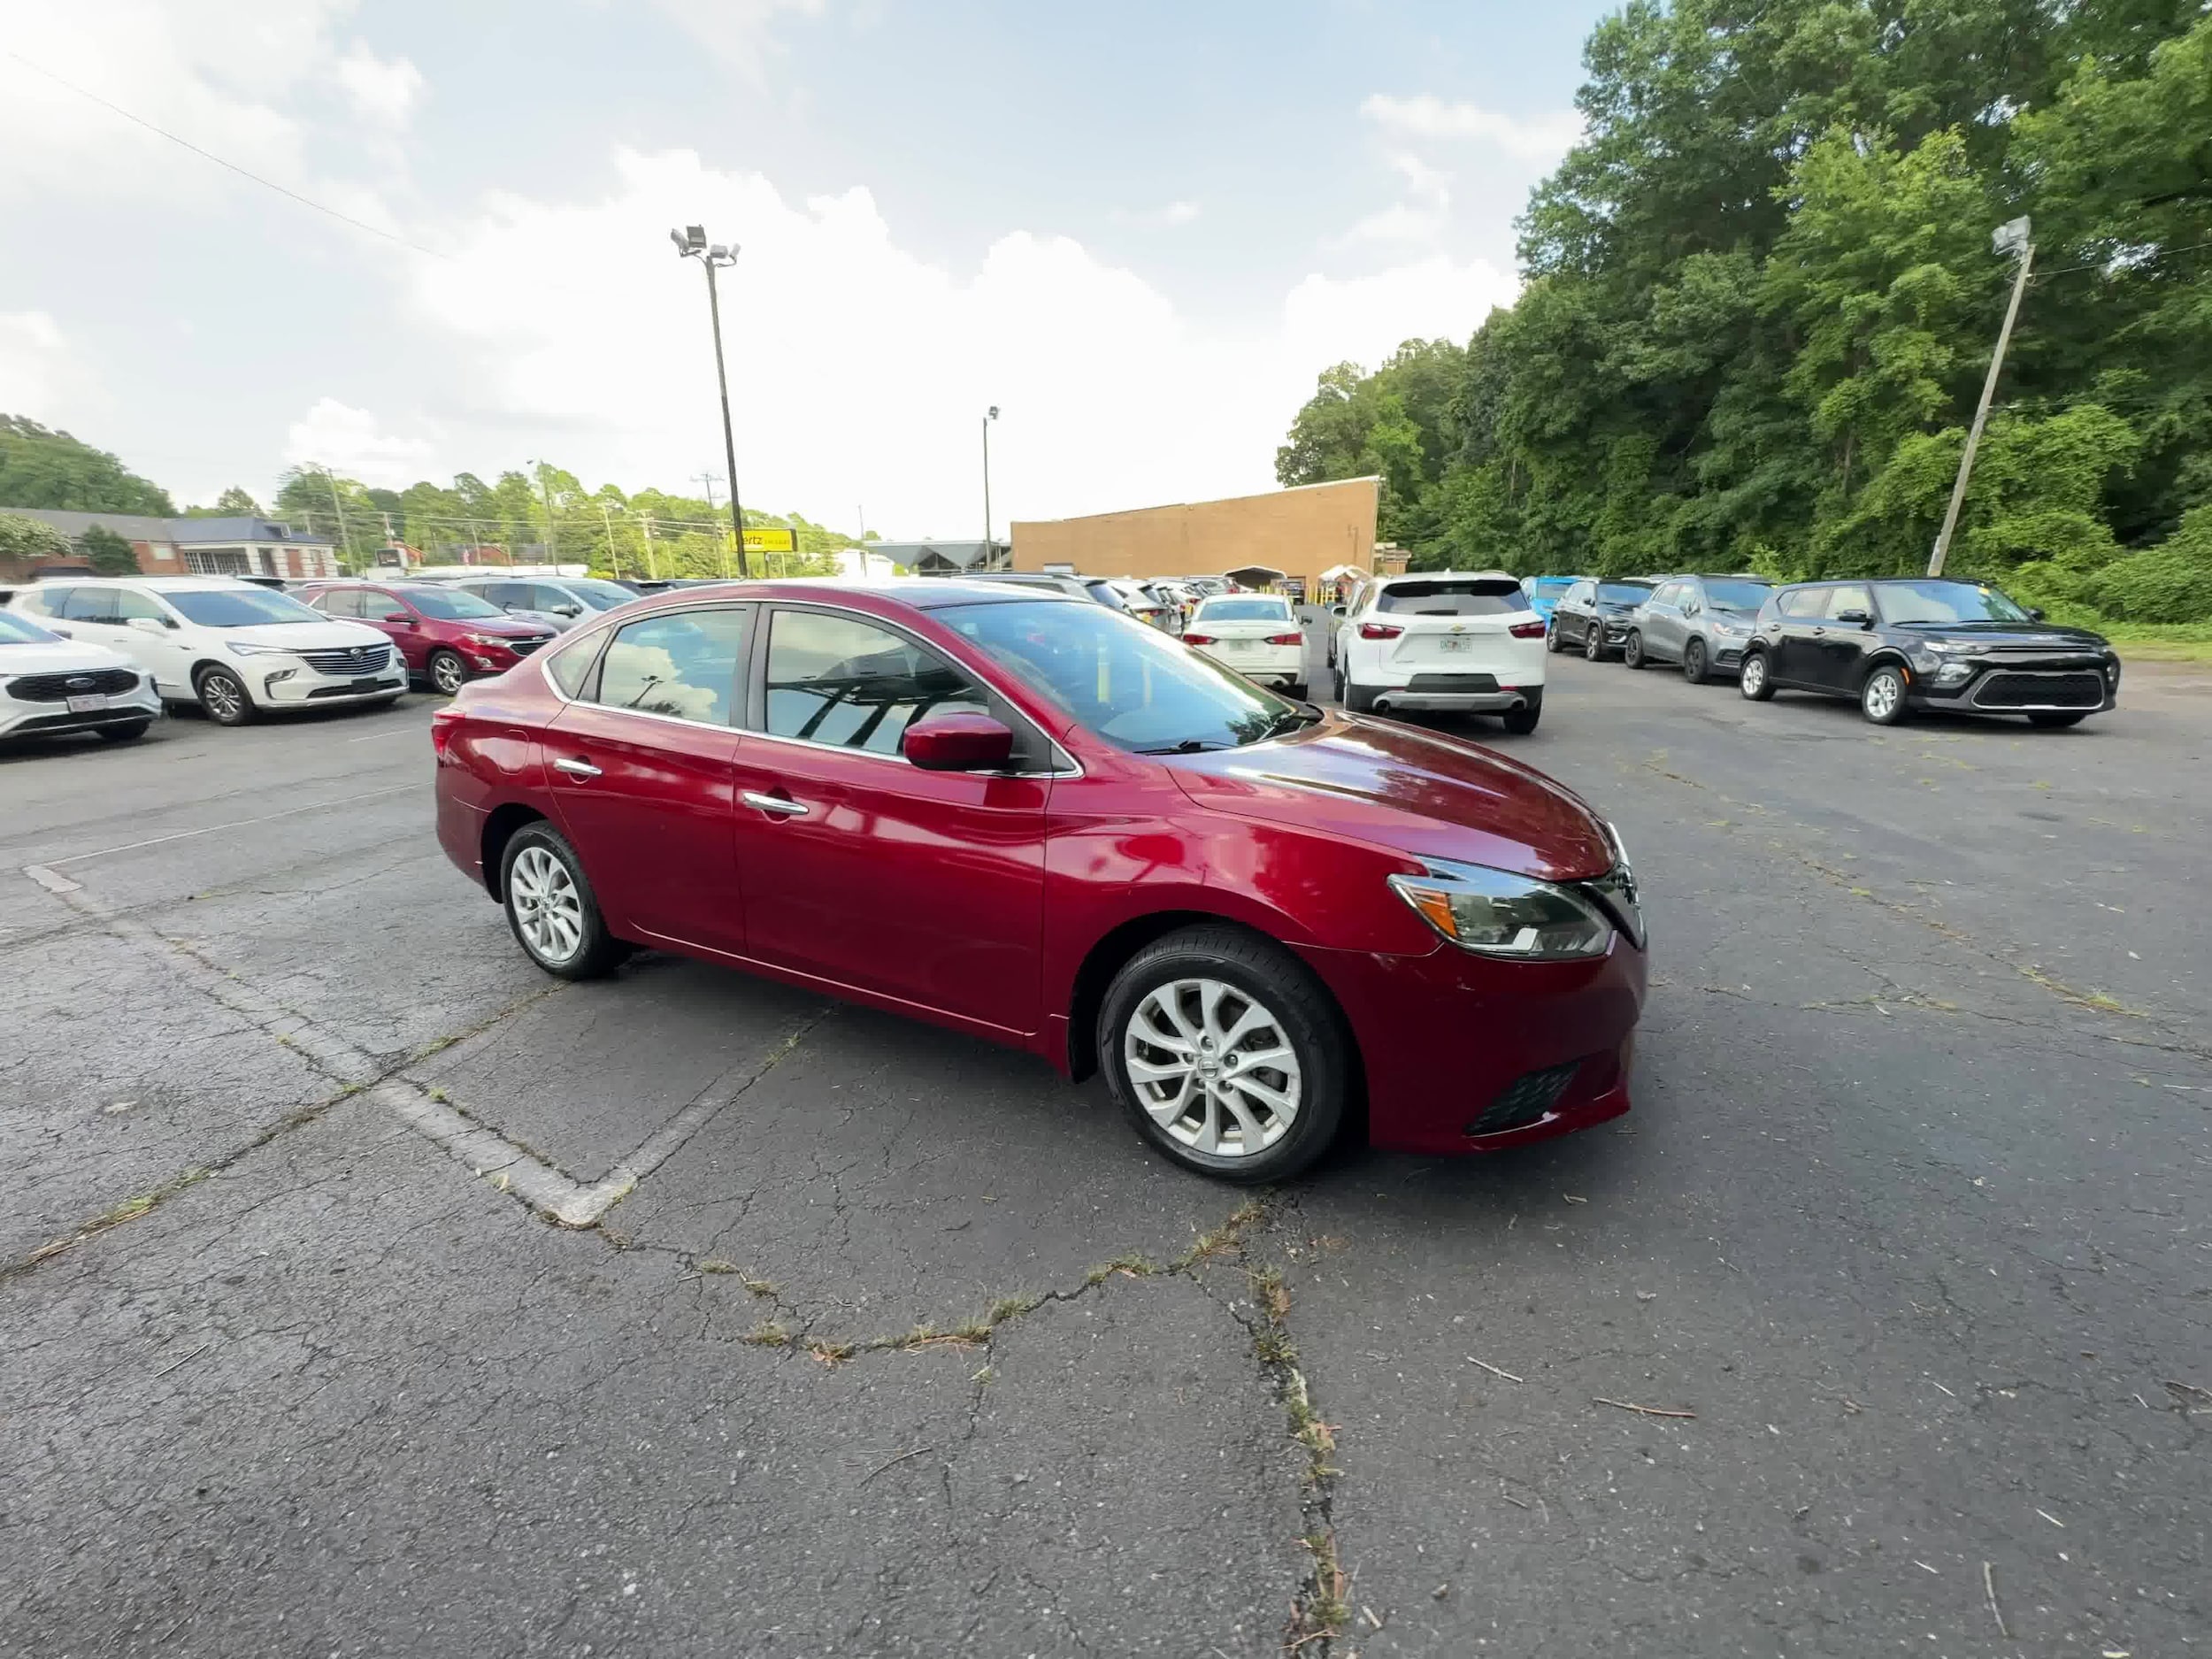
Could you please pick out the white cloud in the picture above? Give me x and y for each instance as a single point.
(858, 370)
(1399, 222)
(353, 443)
(1168, 217)
(382, 90)
(1542, 138)
(735, 31)
(36, 367)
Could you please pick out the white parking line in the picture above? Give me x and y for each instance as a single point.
(130, 847)
(53, 881)
(404, 731)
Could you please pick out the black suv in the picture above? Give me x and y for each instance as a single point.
(1593, 615)
(1701, 622)
(1925, 643)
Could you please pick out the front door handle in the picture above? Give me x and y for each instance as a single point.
(576, 768)
(782, 806)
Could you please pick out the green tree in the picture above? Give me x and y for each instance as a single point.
(233, 503)
(42, 468)
(108, 553)
(24, 539)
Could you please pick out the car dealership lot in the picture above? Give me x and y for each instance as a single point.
(1911, 1214)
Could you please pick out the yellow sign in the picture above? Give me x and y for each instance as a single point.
(771, 541)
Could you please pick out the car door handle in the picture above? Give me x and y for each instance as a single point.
(781, 805)
(576, 768)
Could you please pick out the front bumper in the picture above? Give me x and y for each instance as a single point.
(2056, 685)
(1465, 1054)
(20, 718)
(274, 688)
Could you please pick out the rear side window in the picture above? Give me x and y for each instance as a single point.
(842, 681)
(682, 666)
(379, 607)
(1474, 598)
(570, 664)
(43, 601)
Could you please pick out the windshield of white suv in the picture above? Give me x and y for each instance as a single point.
(16, 630)
(1946, 602)
(239, 607)
(1129, 683)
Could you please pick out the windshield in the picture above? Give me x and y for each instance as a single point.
(1490, 598)
(240, 607)
(1548, 586)
(1130, 684)
(1948, 601)
(598, 595)
(1738, 595)
(15, 630)
(449, 604)
(1244, 611)
(1624, 593)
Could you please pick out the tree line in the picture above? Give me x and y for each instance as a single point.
(1760, 298)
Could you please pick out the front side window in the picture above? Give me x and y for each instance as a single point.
(382, 607)
(1942, 601)
(840, 680)
(683, 666)
(338, 602)
(1130, 684)
(1805, 602)
(1849, 597)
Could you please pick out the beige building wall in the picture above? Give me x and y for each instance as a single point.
(1299, 531)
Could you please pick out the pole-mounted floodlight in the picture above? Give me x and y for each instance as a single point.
(691, 243)
(2014, 238)
(988, 417)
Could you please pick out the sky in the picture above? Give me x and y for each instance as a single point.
(1139, 230)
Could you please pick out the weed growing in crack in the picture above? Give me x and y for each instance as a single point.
(767, 1333)
(1322, 1612)
(829, 1354)
(1319, 1612)
(715, 1264)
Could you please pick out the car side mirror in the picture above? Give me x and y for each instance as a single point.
(151, 625)
(958, 742)
(2035, 613)
(1336, 611)
(568, 610)
(59, 632)
(1857, 618)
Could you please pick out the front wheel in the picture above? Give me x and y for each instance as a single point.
(1754, 681)
(1882, 699)
(551, 908)
(1694, 667)
(447, 672)
(1226, 1053)
(1593, 643)
(223, 694)
(1632, 651)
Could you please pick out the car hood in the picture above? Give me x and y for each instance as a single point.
(2006, 636)
(306, 637)
(1392, 786)
(61, 658)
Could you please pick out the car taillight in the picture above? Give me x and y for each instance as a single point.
(1286, 638)
(442, 722)
(1380, 630)
(1526, 630)
(1198, 638)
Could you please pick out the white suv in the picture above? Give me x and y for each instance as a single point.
(227, 645)
(1444, 641)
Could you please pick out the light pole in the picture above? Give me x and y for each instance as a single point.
(2014, 236)
(988, 417)
(691, 243)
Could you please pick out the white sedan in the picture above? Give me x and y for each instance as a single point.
(1257, 634)
(50, 685)
(1443, 642)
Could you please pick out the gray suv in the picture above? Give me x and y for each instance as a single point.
(1701, 622)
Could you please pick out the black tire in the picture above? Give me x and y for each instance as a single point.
(1754, 680)
(1359, 699)
(597, 952)
(1336, 684)
(1694, 667)
(446, 672)
(2052, 722)
(223, 696)
(1552, 641)
(1521, 722)
(1632, 649)
(1296, 1005)
(1593, 643)
(129, 734)
(1882, 696)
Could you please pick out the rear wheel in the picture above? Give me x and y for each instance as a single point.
(1552, 641)
(550, 907)
(1521, 722)
(1882, 698)
(1752, 682)
(2048, 721)
(1632, 651)
(1226, 1053)
(223, 694)
(1694, 668)
(1360, 699)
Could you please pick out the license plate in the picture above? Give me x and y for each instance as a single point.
(366, 685)
(1242, 645)
(1454, 642)
(86, 705)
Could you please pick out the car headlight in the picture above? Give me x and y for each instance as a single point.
(237, 648)
(1494, 913)
(486, 639)
(1723, 628)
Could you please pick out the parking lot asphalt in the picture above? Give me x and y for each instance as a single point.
(362, 1290)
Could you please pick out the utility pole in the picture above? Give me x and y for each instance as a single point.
(2014, 236)
(691, 243)
(652, 569)
(988, 420)
(613, 552)
(552, 541)
(345, 548)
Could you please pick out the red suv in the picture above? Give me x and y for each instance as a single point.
(1041, 822)
(446, 637)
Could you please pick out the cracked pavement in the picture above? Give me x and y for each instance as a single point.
(1910, 1216)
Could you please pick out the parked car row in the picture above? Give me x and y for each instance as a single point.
(1894, 645)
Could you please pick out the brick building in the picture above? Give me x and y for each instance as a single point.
(1299, 531)
(240, 546)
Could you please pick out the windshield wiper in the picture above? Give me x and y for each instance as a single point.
(1293, 719)
(1188, 745)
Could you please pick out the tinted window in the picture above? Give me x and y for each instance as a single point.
(595, 594)
(683, 666)
(338, 602)
(1948, 601)
(1127, 682)
(114, 606)
(1849, 597)
(381, 607)
(836, 679)
(1804, 601)
(448, 604)
(570, 664)
(1490, 598)
(80, 604)
(239, 607)
(1737, 596)
(1624, 592)
(1244, 611)
(16, 630)
(507, 594)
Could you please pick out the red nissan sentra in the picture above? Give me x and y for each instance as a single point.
(1040, 821)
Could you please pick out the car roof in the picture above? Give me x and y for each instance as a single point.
(917, 593)
(159, 584)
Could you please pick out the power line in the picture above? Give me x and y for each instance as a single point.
(208, 154)
(2121, 263)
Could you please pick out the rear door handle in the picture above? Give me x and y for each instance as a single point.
(782, 806)
(576, 768)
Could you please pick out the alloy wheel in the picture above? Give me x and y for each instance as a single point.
(1213, 1066)
(547, 910)
(447, 673)
(1592, 641)
(1883, 692)
(223, 697)
(1755, 674)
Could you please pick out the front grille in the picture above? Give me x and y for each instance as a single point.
(56, 688)
(1453, 683)
(349, 662)
(336, 691)
(523, 648)
(2009, 689)
(1525, 1100)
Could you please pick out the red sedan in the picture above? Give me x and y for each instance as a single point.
(1044, 823)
